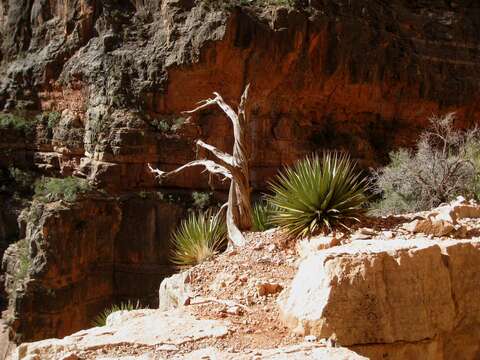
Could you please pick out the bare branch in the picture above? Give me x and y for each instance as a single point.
(220, 102)
(204, 104)
(226, 108)
(209, 165)
(224, 157)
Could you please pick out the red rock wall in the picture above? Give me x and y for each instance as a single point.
(362, 76)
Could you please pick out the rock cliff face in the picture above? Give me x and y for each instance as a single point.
(69, 268)
(363, 76)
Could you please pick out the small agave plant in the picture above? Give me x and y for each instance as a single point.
(101, 319)
(261, 216)
(198, 238)
(318, 193)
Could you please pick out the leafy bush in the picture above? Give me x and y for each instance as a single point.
(101, 319)
(168, 124)
(444, 165)
(318, 193)
(17, 122)
(201, 200)
(23, 265)
(262, 216)
(53, 118)
(54, 189)
(198, 238)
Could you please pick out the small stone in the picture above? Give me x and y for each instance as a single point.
(234, 310)
(265, 288)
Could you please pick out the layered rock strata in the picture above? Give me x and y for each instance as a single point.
(361, 76)
(77, 259)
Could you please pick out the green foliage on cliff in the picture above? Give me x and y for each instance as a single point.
(101, 319)
(53, 118)
(318, 193)
(201, 200)
(54, 189)
(16, 122)
(444, 165)
(198, 238)
(168, 124)
(23, 264)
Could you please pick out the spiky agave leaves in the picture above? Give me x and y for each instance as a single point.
(318, 193)
(198, 238)
(101, 319)
(261, 216)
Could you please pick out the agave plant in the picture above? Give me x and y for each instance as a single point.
(261, 216)
(198, 238)
(101, 318)
(318, 193)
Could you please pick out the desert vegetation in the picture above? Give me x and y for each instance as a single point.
(101, 319)
(17, 122)
(198, 238)
(262, 215)
(54, 189)
(444, 164)
(327, 191)
(233, 167)
(319, 193)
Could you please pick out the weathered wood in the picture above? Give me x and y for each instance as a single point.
(234, 167)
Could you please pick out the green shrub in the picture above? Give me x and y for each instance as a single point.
(262, 216)
(54, 189)
(201, 200)
(198, 238)
(24, 263)
(101, 319)
(17, 122)
(318, 193)
(53, 118)
(168, 124)
(445, 164)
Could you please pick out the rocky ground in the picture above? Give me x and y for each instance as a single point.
(387, 290)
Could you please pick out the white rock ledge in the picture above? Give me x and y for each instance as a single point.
(404, 299)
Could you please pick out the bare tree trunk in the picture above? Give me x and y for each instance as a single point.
(234, 167)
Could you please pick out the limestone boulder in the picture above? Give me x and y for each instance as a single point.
(174, 291)
(135, 328)
(443, 220)
(389, 298)
(295, 352)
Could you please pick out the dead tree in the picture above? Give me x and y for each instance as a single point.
(233, 167)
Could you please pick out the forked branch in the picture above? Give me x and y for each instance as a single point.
(233, 167)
